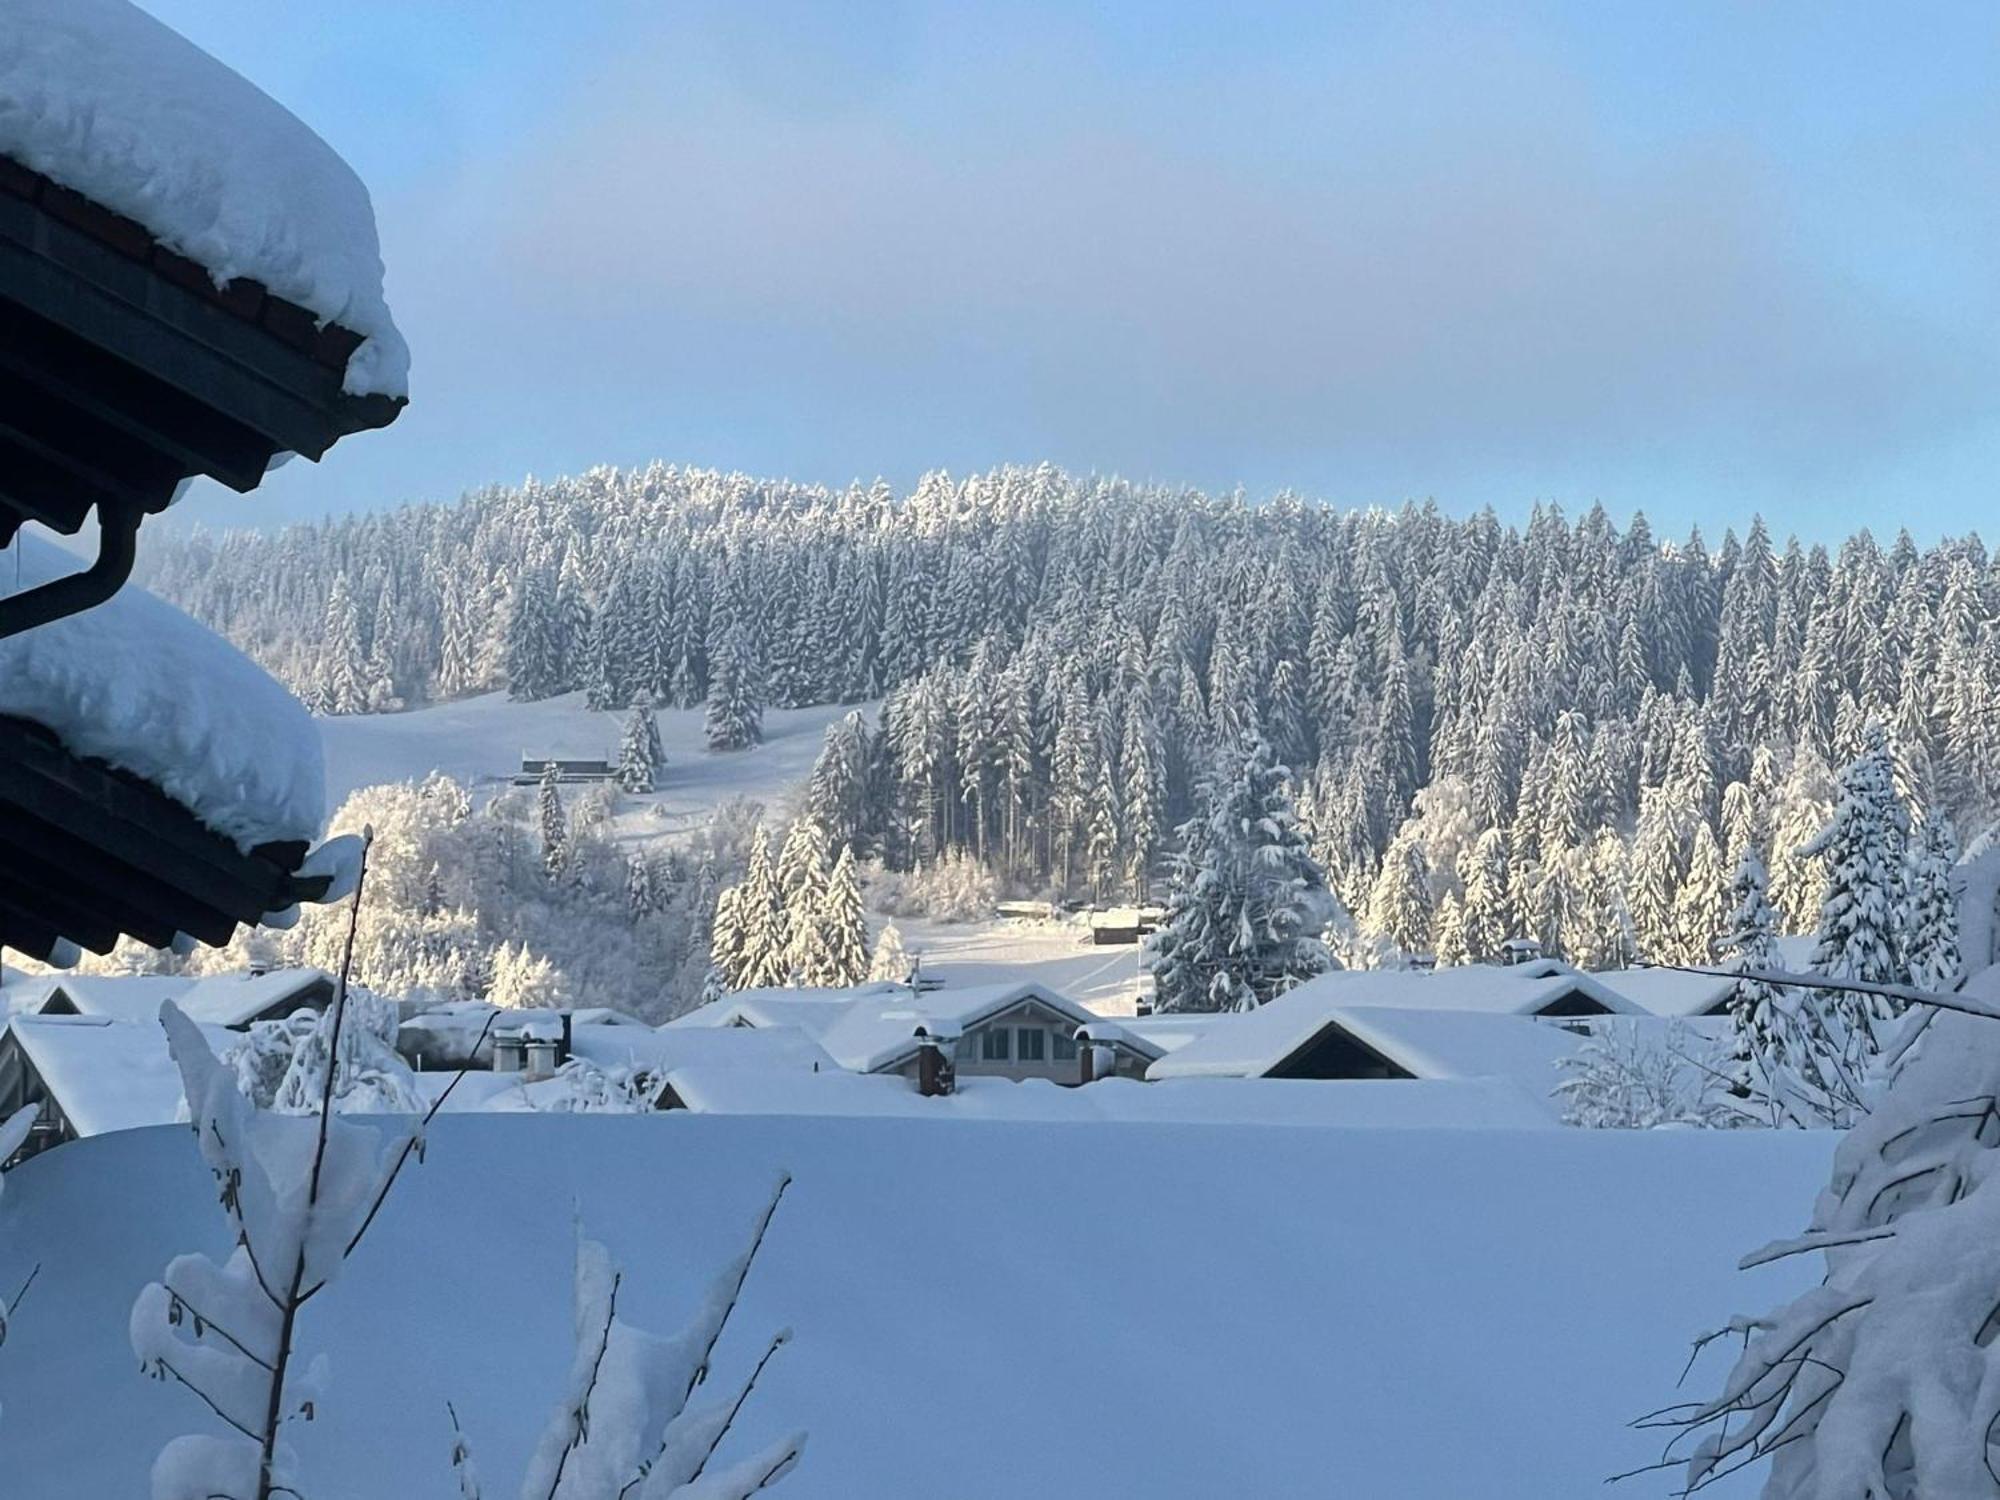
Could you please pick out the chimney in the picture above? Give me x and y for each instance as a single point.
(936, 1075)
(563, 1051)
(1086, 1056)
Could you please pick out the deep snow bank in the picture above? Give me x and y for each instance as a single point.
(982, 1310)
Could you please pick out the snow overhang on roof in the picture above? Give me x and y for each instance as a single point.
(190, 283)
(153, 780)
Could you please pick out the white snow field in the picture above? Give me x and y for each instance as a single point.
(981, 1310)
(481, 741)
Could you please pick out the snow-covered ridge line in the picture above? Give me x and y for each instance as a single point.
(102, 98)
(137, 684)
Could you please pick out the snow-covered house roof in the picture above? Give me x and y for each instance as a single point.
(1492, 1103)
(1671, 992)
(811, 1010)
(1465, 1044)
(227, 1000)
(1539, 987)
(104, 1074)
(1402, 1041)
(761, 1049)
(879, 1034)
(108, 102)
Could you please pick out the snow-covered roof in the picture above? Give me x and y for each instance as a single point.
(1670, 992)
(1425, 1043)
(880, 1032)
(104, 1074)
(226, 1000)
(811, 1010)
(107, 101)
(1431, 1044)
(1498, 989)
(117, 997)
(759, 1048)
(1492, 1103)
(138, 684)
(874, 1026)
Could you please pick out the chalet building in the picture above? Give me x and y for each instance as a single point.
(1016, 1031)
(1116, 925)
(570, 771)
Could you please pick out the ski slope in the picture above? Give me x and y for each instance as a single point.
(481, 740)
(983, 1310)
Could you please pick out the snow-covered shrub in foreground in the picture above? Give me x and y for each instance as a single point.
(1884, 1380)
(1630, 1076)
(626, 1424)
(298, 1194)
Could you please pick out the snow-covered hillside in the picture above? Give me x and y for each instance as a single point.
(981, 1310)
(480, 740)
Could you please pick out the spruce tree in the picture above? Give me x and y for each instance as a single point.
(639, 758)
(843, 926)
(554, 826)
(1400, 906)
(1249, 903)
(734, 719)
(1860, 926)
(889, 960)
(1767, 1041)
(1931, 941)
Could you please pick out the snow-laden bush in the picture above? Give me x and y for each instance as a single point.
(581, 1087)
(955, 888)
(298, 1194)
(1884, 1379)
(281, 1065)
(1635, 1075)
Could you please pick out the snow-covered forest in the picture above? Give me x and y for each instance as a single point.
(1569, 730)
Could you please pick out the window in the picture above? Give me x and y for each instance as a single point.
(1065, 1047)
(993, 1043)
(1032, 1044)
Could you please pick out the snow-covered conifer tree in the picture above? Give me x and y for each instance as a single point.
(1400, 908)
(554, 825)
(889, 959)
(1699, 908)
(1770, 1042)
(1930, 932)
(639, 758)
(734, 719)
(842, 927)
(1249, 903)
(1861, 911)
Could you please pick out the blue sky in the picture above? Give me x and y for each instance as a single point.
(1693, 258)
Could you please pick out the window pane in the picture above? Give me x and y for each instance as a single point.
(1065, 1047)
(994, 1043)
(1031, 1043)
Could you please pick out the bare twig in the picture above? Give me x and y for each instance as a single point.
(288, 1309)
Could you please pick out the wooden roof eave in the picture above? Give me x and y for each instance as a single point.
(124, 369)
(92, 853)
